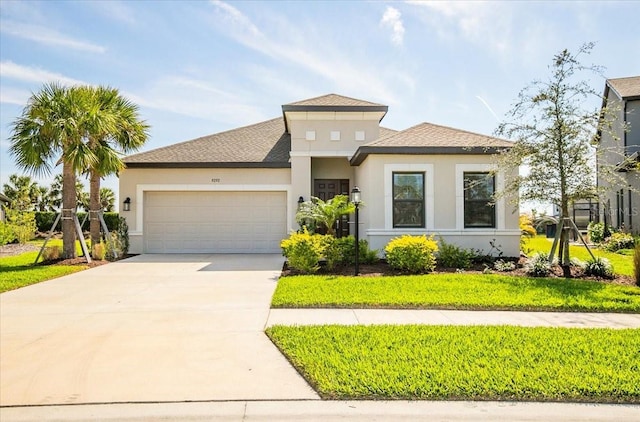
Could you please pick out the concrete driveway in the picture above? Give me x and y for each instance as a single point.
(148, 329)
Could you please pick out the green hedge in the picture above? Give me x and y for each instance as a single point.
(45, 219)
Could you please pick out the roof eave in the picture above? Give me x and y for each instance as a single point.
(327, 108)
(182, 165)
(364, 151)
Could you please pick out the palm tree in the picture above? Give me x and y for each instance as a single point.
(113, 128)
(22, 191)
(325, 213)
(50, 132)
(107, 199)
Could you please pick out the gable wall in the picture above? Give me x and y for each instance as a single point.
(323, 128)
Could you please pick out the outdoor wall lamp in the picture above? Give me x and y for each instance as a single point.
(300, 201)
(355, 198)
(126, 205)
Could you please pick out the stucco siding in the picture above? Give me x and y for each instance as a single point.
(323, 143)
(134, 183)
(443, 201)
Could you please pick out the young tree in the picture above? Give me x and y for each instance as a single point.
(553, 132)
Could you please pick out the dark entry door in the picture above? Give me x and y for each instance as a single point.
(326, 189)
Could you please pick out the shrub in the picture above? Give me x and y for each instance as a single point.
(347, 251)
(598, 267)
(504, 266)
(596, 233)
(538, 265)
(414, 254)
(7, 235)
(618, 241)
(122, 230)
(452, 256)
(45, 219)
(98, 251)
(636, 264)
(23, 224)
(527, 231)
(51, 253)
(303, 251)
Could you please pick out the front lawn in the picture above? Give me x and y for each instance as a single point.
(19, 271)
(455, 291)
(622, 262)
(465, 363)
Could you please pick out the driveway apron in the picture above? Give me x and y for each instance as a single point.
(147, 329)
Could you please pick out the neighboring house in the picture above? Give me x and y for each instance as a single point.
(4, 201)
(238, 191)
(621, 147)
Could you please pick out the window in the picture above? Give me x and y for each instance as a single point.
(478, 193)
(310, 135)
(408, 199)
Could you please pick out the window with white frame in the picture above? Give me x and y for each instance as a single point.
(408, 199)
(479, 210)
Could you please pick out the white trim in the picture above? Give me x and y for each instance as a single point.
(141, 189)
(388, 194)
(360, 136)
(347, 154)
(446, 232)
(310, 135)
(500, 204)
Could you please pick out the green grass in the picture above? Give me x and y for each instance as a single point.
(19, 271)
(622, 262)
(465, 363)
(455, 291)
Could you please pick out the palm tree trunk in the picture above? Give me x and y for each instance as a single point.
(94, 207)
(68, 211)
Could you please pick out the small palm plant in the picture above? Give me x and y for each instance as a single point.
(324, 213)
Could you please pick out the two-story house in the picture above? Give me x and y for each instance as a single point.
(238, 191)
(619, 150)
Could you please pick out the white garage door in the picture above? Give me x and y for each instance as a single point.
(214, 222)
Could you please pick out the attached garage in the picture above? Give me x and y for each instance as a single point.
(214, 222)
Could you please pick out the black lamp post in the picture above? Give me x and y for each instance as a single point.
(126, 205)
(355, 198)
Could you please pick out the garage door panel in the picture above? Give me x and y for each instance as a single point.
(214, 222)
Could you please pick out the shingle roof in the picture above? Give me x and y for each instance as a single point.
(332, 100)
(428, 138)
(626, 88)
(264, 144)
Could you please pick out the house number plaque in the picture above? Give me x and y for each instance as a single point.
(215, 180)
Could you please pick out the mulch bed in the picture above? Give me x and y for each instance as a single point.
(383, 269)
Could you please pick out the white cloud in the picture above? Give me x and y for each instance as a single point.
(47, 36)
(197, 98)
(479, 22)
(10, 95)
(11, 70)
(392, 19)
(314, 56)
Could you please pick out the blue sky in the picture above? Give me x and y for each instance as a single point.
(201, 67)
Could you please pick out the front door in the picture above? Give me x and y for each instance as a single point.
(326, 189)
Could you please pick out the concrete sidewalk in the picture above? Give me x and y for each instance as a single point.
(328, 411)
(441, 317)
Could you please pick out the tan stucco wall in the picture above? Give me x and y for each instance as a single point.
(323, 143)
(445, 221)
(134, 182)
